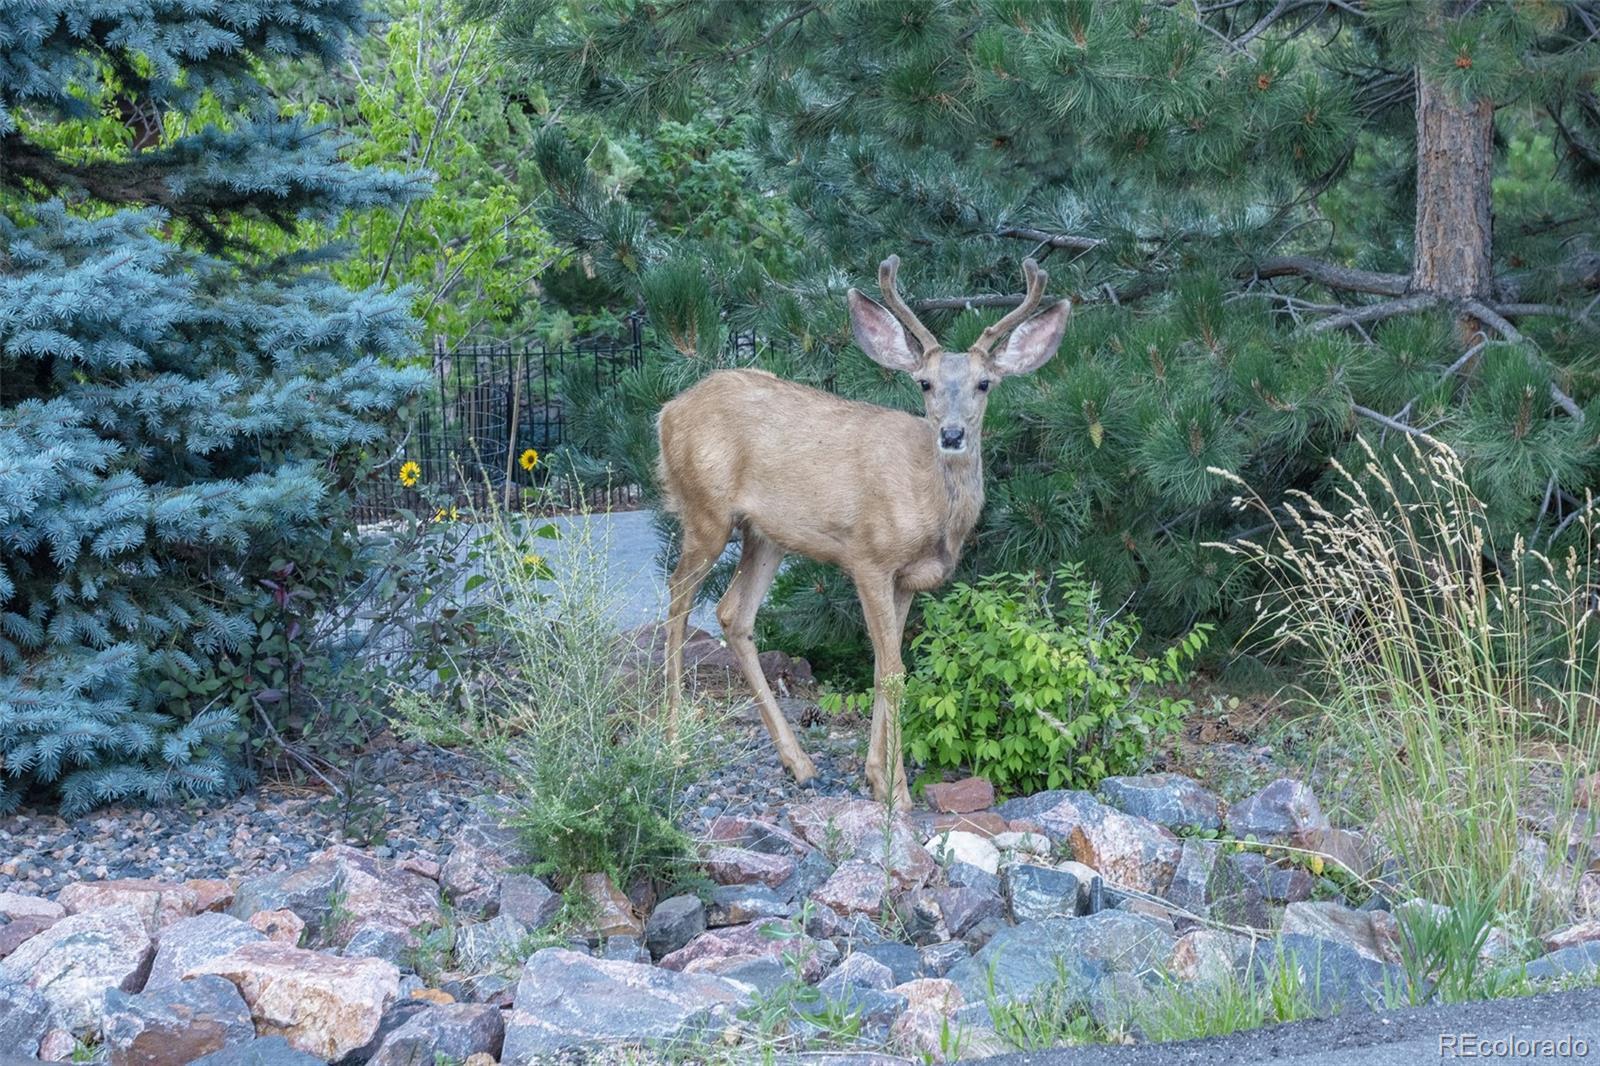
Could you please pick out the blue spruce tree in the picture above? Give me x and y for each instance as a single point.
(176, 410)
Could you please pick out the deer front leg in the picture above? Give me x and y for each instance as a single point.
(736, 611)
(886, 770)
(702, 545)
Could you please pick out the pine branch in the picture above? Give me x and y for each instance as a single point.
(1509, 332)
(770, 34)
(1138, 289)
(1489, 317)
(1375, 312)
(1054, 240)
(1331, 275)
(1520, 310)
(1387, 422)
(1567, 521)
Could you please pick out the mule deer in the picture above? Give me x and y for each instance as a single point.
(888, 497)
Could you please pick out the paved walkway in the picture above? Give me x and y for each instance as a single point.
(627, 543)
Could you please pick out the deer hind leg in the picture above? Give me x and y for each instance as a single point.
(758, 565)
(703, 542)
(884, 606)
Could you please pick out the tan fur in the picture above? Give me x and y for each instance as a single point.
(887, 497)
(858, 486)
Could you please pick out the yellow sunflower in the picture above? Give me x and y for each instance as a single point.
(410, 473)
(529, 459)
(532, 562)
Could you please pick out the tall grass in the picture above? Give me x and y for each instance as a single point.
(564, 712)
(1461, 673)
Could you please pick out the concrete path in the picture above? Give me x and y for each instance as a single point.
(625, 543)
(1506, 1030)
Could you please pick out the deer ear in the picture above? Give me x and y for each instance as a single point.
(879, 334)
(1031, 344)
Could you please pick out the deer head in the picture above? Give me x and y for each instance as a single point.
(955, 385)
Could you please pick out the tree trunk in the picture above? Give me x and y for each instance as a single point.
(1455, 224)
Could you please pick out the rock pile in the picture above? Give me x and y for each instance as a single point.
(912, 923)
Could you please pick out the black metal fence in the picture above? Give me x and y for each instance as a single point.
(488, 406)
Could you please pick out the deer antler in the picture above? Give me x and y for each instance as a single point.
(1036, 281)
(887, 271)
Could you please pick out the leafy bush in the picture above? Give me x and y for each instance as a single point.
(1030, 684)
(567, 722)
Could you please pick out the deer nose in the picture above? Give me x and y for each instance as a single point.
(952, 437)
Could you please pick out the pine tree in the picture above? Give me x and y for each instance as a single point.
(175, 409)
(1284, 222)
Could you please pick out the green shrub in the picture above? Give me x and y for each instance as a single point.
(1030, 684)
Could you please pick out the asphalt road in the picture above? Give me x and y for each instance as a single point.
(1385, 1038)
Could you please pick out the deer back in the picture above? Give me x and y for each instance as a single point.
(828, 478)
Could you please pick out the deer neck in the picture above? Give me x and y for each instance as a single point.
(962, 475)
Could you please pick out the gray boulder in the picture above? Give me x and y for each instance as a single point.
(966, 875)
(267, 1051)
(1172, 800)
(903, 960)
(24, 1017)
(192, 942)
(1580, 960)
(565, 1001)
(175, 1022)
(738, 904)
(1188, 890)
(372, 940)
(766, 975)
(528, 900)
(1333, 976)
(1126, 849)
(451, 1033)
(484, 852)
(673, 924)
(491, 946)
(1035, 892)
(938, 958)
(857, 970)
(74, 962)
(1234, 890)
(1030, 957)
(370, 891)
(1284, 812)
(308, 892)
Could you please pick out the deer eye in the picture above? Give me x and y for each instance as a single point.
(925, 383)
(983, 386)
